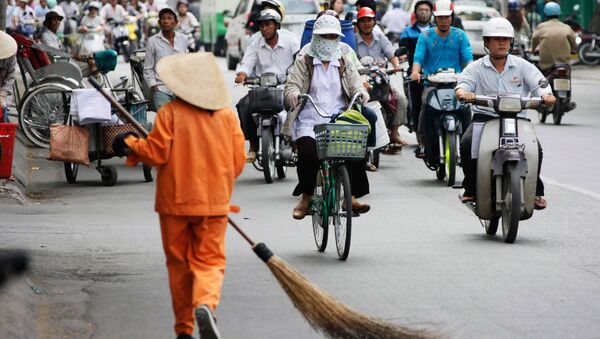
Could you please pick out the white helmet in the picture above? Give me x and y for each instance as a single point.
(498, 27)
(443, 8)
(269, 14)
(327, 24)
(94, 4)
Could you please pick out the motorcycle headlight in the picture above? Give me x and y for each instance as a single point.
(512, 105)
(577, 40)
(269, 80)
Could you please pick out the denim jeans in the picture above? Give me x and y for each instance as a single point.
(160, 99)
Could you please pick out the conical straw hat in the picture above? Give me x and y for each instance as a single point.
(8, 45)
(195, 78)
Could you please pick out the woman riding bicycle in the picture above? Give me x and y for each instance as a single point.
(335, 81)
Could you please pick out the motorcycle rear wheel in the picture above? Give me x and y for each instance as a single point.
(511, 206)
(585, 48)
(558, 111)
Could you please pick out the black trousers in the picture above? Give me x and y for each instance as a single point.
(308, 167)
(246, 120)
(469, 164)
(416, 91)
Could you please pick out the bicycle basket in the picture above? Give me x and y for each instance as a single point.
(266, 100)
(341, 141)
(106, 61)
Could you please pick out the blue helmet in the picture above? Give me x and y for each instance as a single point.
(514, 5)
(552, 9)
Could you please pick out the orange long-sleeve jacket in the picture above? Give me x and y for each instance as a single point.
(198, 155)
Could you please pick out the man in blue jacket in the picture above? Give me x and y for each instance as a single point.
(439, 47)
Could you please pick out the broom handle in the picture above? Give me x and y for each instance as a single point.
(242, 233)
(122, 111)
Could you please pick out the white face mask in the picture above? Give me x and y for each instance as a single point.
(324, 49)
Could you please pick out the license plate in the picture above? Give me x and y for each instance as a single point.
(562, 84)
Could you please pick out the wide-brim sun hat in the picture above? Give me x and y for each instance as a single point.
(195, 78)
(8, 45)
(327, 24)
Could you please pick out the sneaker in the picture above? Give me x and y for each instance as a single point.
(207, 323)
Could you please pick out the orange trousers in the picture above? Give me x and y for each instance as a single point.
(195, 252)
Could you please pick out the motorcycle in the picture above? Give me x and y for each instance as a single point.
(120, 39)
(193, 36)
(267, 107)
(589, 49)
(92, 41)
(379, 94)
(559, 77)
(507, 164)
(451, 116)
(152, 24)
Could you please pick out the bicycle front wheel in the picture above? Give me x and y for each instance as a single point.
(342, 216)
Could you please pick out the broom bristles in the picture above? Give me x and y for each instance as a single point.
(331, 317)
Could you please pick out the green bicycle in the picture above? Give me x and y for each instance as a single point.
(332, 198)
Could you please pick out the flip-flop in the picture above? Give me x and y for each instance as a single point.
(370, 167)
(251, 157)
(539, 203)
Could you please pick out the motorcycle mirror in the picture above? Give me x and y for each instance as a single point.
(543, 83)
(401, 51)
(576, 7)
(367, 61)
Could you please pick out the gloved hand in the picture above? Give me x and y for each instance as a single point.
(292, 100)
(119, 146)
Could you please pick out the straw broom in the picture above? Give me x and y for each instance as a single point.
(323, 312)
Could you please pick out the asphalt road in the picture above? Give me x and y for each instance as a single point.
(419, 258)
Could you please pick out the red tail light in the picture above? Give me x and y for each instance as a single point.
(562, 72)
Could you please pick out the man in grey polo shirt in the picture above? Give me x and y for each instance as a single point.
(164, 43)
(372, 42)
(497, 72)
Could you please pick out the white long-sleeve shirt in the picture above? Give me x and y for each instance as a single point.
(158, 47)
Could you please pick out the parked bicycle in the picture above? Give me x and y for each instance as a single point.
(332, 198)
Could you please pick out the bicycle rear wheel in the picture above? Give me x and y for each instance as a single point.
(320, 218)
(342, 215)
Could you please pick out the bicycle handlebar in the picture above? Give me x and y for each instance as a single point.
(307, 97)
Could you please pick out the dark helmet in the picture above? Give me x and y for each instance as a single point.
(514, 5)
(351, 16)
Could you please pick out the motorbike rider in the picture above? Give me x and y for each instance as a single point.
(23, 19)
(518, 21)
(166, 42)
(409, 37)
(112, 12)
(395, 20)
(335, 80)
(187, 22)
(375, 44)
(273, 53)
(268, 4)
(92, 19)
(497, 72)
(554, 39)
(442, 46)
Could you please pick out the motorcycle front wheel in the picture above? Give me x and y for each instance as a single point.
(511, 206)
(268, 154)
